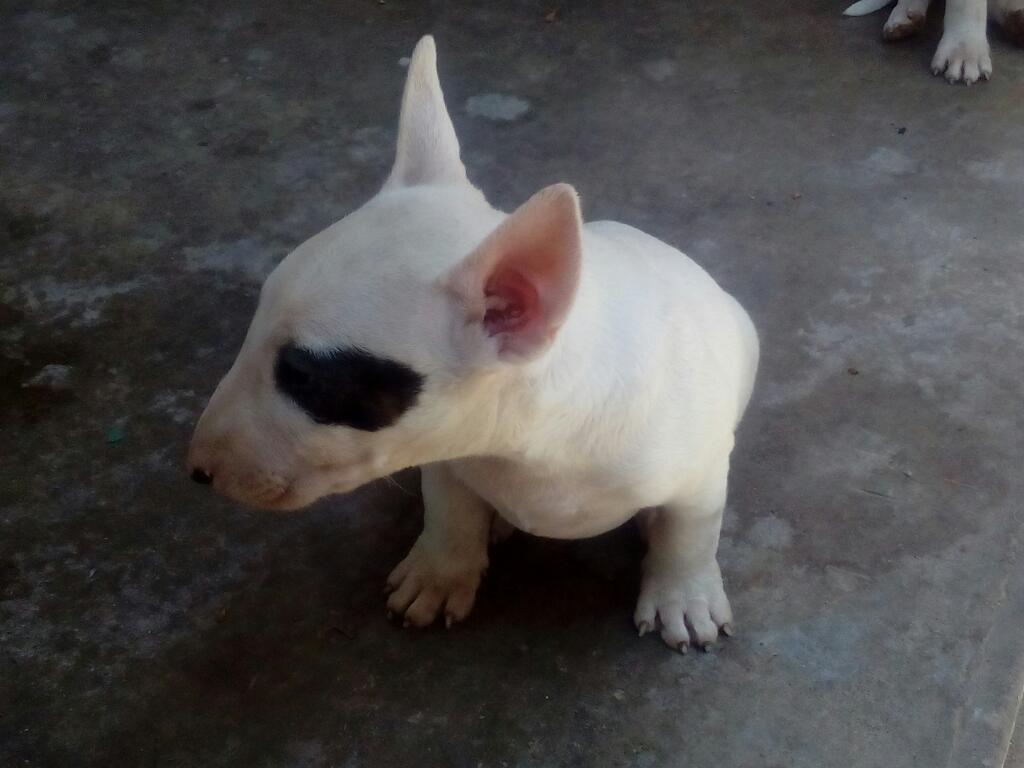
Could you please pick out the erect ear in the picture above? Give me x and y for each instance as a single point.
(428, 151)
(517, 287)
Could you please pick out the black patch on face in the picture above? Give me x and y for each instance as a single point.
(346, 386)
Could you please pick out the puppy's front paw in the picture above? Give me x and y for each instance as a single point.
(962, 57)
(906, 19)
(688, 608)
(427, 581)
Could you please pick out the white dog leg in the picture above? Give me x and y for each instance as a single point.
(906, 19)
(1010, 15)
(682, 584)
(445, 565)
(963, 53)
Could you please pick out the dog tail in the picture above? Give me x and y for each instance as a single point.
(864, 7)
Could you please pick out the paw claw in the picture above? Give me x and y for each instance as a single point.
(428, 584)
(728, 630)
(962, 56)
(689, 609)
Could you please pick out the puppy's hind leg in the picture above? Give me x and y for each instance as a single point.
(906, 19)
(1010, 16)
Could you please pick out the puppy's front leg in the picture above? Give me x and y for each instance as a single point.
(682, 584)
(444, 567)
(906, 19)
(963, 53)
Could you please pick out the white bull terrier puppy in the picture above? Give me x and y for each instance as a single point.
(564, 376)
(963, 54)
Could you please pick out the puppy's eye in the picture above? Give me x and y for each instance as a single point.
(346, 386)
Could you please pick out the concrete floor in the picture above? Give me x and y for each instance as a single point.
(157, 158)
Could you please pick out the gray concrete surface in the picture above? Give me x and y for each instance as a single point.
(1015, 757)
(157, 159)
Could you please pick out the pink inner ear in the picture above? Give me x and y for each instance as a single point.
(512, 303)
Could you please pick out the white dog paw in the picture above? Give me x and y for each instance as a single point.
(427, 583)
(905, 20)
(962, 58)
(689, 610)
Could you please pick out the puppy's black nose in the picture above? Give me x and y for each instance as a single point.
(201, 477)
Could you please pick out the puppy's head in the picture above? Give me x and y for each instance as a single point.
(377, 343)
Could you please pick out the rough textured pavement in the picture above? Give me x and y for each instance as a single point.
(158, 158)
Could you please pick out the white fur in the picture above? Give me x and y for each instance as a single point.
(906, 19)
(963, 54)
(620, 392)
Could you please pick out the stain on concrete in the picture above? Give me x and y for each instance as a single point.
(371, 145)
(497, 107)
(247, 256)
(182, 407)
(771, 532)
(202, 104)
(82, 303)
(52, 375)
(99, 55)
(259, 55)
(659, 70)
(1007, 168)
(844, 579)
(830, 648)
(890, 161)
(244, 143)
(26, 225)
